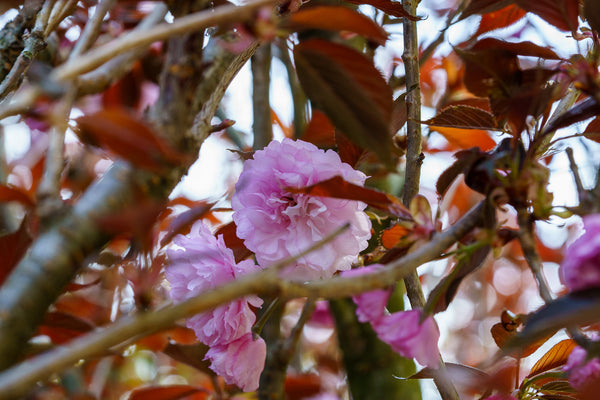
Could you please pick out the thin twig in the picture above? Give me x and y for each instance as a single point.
(91, 30)
(531, 255)
(17, 380)
(194, 22)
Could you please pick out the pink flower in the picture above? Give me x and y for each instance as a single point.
(276, 224)
(370, 306)
(239, 362)
(409, 337)
(581, 373)
(581, 266)
(204, 263)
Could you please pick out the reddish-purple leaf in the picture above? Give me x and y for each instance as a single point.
(350, 90)
(172, 392)
(500, 19)
(319, 131)
(338, 188)
(240, 251)
(585, 109)
(183, 221)
(12, 193)
(563, 14)
(129, 137)
(12, 247)
(190, 354)
(465, 117)
(62, 327)
(339, 19)
(348, 151)
(393, 8)
(520, 48)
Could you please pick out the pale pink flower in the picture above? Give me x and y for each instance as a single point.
(409, 337)
(370, 306)
(202, 263)
(581, 372)
(239, 362)
(276, 224)
(580, 268)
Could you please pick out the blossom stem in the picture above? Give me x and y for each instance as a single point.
(259, 325)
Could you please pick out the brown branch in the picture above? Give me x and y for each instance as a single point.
(261, 107)
(22, 377)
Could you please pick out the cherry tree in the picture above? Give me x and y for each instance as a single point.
(330, 268)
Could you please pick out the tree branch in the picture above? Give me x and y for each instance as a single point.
(20, 378)
(261, 107)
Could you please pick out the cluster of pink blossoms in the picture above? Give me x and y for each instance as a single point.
(404, 331)
(276, 224)
(581, 371)
(203, 262)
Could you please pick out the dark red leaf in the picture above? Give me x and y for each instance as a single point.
(240, 251)
(129, 137)
(62, 327)
(350, 90)
(464, 162)
(73, 287)
(591, 11)
(337, 18)
(399, 113)
(192, 355)
(172, 392)
(443, 293)
(555, 357)
(348, 151)
(298, 387)
(12, 247)
(319, 131)
(520, 48)
(484, 7)
(338, 188)
(500, 18)
(465, 117)
(12, 193)
(583, 110)
(592, 131)
(183, 221)
(393, 8)
(563, 14)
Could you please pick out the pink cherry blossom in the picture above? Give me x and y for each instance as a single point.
(370, 306)
(581, 372)
(580, 268)
(409, 337)
(203, 263)
(239, 362)
(276, 224)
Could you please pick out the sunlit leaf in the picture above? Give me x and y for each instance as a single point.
(393, 8)
(337, 187)
(172, 392)
(465, 117)
(390, 237)
(350, 90)
(466, 138)
(500, 19)
(337, 18)
(555, 357)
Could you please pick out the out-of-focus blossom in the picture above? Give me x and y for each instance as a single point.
(580, 268)
(581, 372)
(203, 263)
(370, 306)
(276, 224)
(239, 362)
(409, 337)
